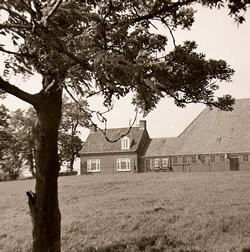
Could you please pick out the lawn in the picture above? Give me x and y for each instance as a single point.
(139, 212)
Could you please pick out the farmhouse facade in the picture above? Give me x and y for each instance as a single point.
(215, 141)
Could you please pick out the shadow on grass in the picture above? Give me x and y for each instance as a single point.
(152, 244)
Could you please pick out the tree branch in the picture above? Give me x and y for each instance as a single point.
(18, 26)
(103, 120)
(63, 50)
(17, 54)
(14, 13)
(50, 13)
(164, 9)
(171, 32)
(13, 90)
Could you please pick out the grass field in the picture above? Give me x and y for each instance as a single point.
(139, 212)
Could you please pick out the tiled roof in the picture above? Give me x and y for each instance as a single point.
(162, 147)
(97, 143)
(216, 131)
(213, 131)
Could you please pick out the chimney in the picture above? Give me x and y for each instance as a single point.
(93, 128)
(143, 125)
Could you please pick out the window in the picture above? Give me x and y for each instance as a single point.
(123, 164)
(184, 160)
(203, 159)
(175, 160)
(93, 165)
(157, 162)
(245, 158)
(125, 143)
(165, 162)
(212, 159)
(193, 159)
(222, 158)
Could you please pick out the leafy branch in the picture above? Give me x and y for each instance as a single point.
(101, 118)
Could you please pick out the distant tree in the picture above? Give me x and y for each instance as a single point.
(105, 47)
(21, 125)
(11, 158)
(20, 143)
(17, 142)
(5, 136)
(30, 119)
(69, 141)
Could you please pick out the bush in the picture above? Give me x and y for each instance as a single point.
(68, 173)
(8, 177)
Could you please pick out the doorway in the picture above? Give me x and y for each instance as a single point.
(234, 164)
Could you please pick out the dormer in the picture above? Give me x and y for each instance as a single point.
(125, 143)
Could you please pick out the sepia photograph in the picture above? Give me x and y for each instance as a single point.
(125, 125)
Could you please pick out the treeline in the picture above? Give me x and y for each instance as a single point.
(17, 142)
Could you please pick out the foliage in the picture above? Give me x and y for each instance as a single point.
(69, 141)
(22, 123)
(17, 141)
(5, 135)
(10, 157)
(114, 44)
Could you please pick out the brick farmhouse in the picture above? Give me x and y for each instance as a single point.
(215, 141)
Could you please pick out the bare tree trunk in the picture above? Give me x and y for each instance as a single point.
(44, 207)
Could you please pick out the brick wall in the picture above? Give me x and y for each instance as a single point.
(108, 162)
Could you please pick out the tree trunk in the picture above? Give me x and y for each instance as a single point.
(72, 159)
(44, 207)
(31, 158)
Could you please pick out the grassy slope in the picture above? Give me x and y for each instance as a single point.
(139, 212)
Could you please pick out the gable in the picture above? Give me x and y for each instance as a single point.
(213, 131)
(216, 131)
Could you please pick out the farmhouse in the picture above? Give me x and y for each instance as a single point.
(215, 141)
(100, 155)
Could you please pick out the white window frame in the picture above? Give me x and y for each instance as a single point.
(119, 164)
(165, 162)
(97, 163)
(156, 162)
(212, 159)
(175, 160)
(193, 159)
(125, 143)
(185, 160)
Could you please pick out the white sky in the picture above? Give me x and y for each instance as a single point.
(218, 37)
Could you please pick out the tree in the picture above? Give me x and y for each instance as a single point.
(21, 124)
(17, 148)
(107, 48)
(69, 142)
(5, 135)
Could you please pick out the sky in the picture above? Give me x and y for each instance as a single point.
(218, 36)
